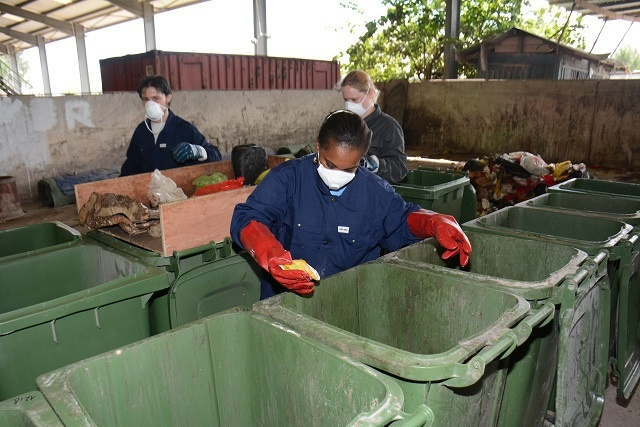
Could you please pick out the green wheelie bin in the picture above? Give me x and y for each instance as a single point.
(62, 306)
(540, 272)
(33, 239)
(235, 368)
(626, 286)
(469, 197)
(27, 410)
(590, 234)
(439, 336)
(610, 207)
(598, 186)
(205, 280)
(442, 192)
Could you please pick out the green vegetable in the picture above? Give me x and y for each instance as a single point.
(214, 178)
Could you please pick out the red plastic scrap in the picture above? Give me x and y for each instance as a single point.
(230, 184)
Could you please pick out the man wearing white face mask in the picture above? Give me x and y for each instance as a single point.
(331, 212)
(164, 140)
(386, 156)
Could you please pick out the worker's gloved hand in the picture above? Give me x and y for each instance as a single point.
(445, 229)
(270, 255)
(184, 152)
(370, 162)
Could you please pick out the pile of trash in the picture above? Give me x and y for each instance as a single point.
(510, 178)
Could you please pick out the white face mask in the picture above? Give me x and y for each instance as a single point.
(334, 178)
(357, 107)
(154, 111)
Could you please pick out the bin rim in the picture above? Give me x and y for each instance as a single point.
(434, 191)
(478, 225)
(409, 365)
(568, 187)
(55, 385)
(147, 281)
(530, 290)
(617, 216)
(77, 238)
(34, 407)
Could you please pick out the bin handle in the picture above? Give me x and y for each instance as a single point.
(474, 369)
(208, 252)
(423, 416)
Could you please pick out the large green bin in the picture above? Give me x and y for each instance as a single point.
(469, 197)
(205, 280)
(63, 306)
(598, 186)
(625, 280)
(32, 239)
(537, 271)
(442, 192)
(590, 234)
(438, 335)
(26, 410)
(619, 208)
(235, 368)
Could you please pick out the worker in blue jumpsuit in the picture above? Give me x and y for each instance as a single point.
(164, 140)
(331, 212)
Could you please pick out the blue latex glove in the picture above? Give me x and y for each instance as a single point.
(370, 162)
(184, 152)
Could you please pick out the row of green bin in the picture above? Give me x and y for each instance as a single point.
(448, 371)
(66, 297)
(436, 336)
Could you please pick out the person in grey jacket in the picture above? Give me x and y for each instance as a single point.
(386, 156)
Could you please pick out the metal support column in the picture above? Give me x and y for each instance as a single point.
(260, 27)
(13, 60)
(44, 66)
(149, 26)
(451, 33)
(82, 58)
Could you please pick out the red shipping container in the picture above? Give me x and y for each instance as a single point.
(211, 71)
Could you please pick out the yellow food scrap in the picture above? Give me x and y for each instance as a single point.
(300, 264)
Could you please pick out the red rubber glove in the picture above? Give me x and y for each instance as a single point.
(445, 229)
(270, 255)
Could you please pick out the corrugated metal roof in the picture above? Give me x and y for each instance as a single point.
(626, 10)
(22, 21)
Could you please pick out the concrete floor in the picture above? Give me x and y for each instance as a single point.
(620, 413)
(616, 413)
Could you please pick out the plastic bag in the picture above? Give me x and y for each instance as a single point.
(205, 180)
(163, 190)
(230, 184)
(534, 164)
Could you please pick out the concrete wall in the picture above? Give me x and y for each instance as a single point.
(595, 122)
(51, 136)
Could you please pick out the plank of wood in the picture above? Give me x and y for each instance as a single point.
(144, 241)
(137, 186)
(200, 220)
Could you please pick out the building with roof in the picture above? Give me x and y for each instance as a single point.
(518, 54)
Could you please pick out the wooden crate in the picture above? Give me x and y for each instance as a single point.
(185, 224)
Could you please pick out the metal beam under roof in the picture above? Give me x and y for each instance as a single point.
(22, 20)
(624, 10)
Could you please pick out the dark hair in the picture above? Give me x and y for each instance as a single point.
(346, 129)
(159, 83)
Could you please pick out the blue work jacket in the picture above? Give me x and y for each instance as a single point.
(146, 155)
(331, 233)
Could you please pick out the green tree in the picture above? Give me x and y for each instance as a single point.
(556, 24)
(629, 56)
(408, 42)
